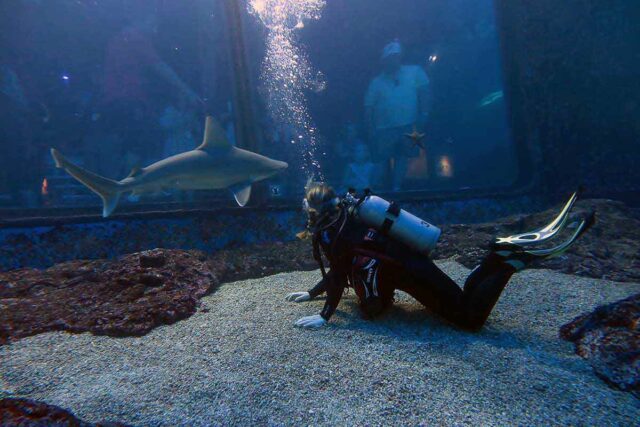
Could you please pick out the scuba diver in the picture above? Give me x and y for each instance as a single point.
(375, 247)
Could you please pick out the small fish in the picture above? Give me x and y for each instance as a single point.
(491, 98)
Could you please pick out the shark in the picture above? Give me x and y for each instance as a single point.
(215, 164)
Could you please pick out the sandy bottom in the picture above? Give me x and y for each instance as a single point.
(241, 361)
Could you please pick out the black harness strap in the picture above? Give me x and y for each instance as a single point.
(394, 209)
(386, 226)
(317, 254)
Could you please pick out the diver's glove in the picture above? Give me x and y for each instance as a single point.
(308, 322)
(298, 297)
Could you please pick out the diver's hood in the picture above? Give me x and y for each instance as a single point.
(322, 215)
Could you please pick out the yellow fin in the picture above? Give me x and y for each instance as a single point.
(214, 135)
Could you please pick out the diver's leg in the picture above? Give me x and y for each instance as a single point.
(482, 290)
(425, 282)
(468, 308)
(490, 265)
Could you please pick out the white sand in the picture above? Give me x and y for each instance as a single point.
(243, 363)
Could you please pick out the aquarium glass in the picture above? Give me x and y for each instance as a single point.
(403, 96)
(354, 85)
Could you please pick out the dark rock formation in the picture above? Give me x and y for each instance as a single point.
(609, 338)
(610, 250)
(117, 298)
(30, 413)
(263, 260)
(131, 295)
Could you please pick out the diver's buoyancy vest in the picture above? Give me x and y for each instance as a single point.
(397, 223)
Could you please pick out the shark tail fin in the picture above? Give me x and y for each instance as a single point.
(108, 189)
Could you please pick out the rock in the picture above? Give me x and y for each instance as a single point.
(28, 413)
(151, 279)
(609, 338)
(131, 295)
(152, 259)
(115, 297)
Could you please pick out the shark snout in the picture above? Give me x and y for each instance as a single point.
(281, 165)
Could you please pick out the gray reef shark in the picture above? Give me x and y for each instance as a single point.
(215, 164)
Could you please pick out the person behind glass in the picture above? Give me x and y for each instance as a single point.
(396, 102)
(359, 171)
(19, 174)
(343, 152)
(134, 74)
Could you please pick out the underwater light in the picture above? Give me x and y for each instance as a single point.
(44, 189)
(433, 58)
(65, 77)
(446, 169)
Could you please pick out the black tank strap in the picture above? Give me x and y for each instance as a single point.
(394, 209)
(317, 255)
(386, 226)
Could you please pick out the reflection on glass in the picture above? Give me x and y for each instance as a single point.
(402, 98)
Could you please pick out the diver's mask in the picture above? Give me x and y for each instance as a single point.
(321, 213)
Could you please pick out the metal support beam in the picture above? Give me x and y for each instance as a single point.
(244, 112)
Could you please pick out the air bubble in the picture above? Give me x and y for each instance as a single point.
(286, 70)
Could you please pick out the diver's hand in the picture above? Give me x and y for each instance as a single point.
(298, 297)
(308, 322)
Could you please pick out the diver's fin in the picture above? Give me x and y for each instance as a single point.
(135, 172)
(214, 136)
(520, 258)
(242, 193)
(544, 234)
(108, 189)
(584, 225)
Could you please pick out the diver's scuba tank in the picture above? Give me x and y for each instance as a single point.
(397, 223)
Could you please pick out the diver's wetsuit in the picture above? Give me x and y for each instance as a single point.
(376, 266)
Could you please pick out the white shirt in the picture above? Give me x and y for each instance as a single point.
(395, 99)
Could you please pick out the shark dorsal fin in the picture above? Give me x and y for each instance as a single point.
(214, 136)
(135, 172)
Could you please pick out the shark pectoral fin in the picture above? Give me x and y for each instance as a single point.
(214, 136)
(242, 193)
